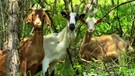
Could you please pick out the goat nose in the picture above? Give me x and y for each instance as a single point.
(72, 27)
(90, 30)
(37, 22)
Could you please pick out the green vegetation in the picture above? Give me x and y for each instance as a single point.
(119, 20)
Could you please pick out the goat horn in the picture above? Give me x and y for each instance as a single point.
(77, 8)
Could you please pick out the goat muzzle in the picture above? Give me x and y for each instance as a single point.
(72, 26)
(91, 30)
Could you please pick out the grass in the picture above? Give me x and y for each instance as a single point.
(96, 68)
(126, 68)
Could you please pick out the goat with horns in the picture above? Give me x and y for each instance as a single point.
(55, 44)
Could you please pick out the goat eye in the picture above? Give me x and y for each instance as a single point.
(43, 15)
(68, 17)
(76, 18)
(32, 15)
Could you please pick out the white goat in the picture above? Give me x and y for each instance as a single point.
(55, 44)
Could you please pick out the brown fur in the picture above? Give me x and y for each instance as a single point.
(31, 51)
(106, 46)
(3, 57)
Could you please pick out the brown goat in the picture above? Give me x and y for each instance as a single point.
(112, 46)
(31, 51)
(3, 57)
(107, 46)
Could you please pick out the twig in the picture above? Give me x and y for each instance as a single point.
(78, 6)
(100, 20)
(117, 7)
(132, 36)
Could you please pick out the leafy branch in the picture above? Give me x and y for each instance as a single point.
(117, 7)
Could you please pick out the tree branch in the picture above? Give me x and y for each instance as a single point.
(132, 36)
(117, 7)
(100, 20)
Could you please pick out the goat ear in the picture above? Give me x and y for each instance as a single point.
(81, 16)
(47, 19)
(64, 14)
(29, 18)
(98, 21)
(82, 20)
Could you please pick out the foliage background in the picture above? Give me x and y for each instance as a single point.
(120, 20)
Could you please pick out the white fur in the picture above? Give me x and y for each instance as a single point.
(55, 45)
(90, 24)
(72, 18)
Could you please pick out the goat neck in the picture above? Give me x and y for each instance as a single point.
(38, 36)
(61, 34)
(66, 36)
(87, 38)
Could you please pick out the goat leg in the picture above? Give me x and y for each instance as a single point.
(47, 73)
(23, 68)
(33, 69)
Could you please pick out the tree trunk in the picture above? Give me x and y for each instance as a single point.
(2, 27)
(13, 58)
